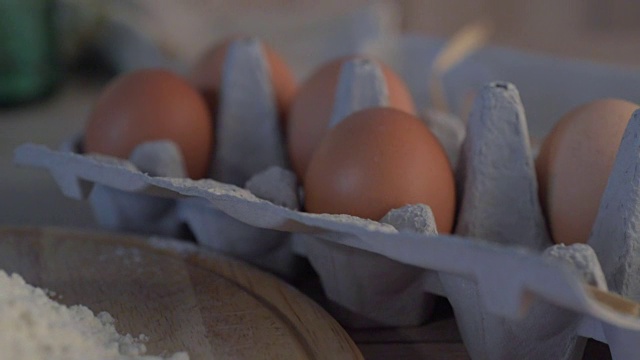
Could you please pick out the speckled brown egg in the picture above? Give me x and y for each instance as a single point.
(313, 105)
(206, 75)
(376, 160)
(151, 105)
(574, 164)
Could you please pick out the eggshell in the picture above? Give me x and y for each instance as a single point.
(574, 164)
(150, 105)
(206, 75)
(380, 159)
(313, 105)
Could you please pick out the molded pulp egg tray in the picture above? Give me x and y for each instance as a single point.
(514, 294)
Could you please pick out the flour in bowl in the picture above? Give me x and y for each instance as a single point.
(34, 327)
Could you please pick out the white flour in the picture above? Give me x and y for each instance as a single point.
(34, 327)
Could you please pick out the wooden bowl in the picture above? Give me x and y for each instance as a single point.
(182, 297)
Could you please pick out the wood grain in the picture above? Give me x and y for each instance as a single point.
(182, 298)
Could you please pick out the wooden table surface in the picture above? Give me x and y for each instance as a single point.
(437, 340)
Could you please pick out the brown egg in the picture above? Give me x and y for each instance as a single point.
(313, 105)
(376, 160)
(151, 105)
(206, 75)
(574, 164)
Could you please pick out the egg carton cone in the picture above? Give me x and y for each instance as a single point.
(247, 158)
(496, 156)
(616, 233)
(514, 294)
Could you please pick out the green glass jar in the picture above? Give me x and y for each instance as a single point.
(28, 56)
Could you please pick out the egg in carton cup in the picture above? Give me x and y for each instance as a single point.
(240, 157)
(514, 294)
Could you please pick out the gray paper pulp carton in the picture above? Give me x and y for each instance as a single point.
(514, 293)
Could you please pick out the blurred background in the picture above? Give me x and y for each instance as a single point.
(599, 30)
(125, 34)
(55, 56)
(42, 41)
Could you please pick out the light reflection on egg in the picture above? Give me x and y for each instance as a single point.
(376, 160)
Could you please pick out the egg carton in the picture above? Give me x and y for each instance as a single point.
(514, 294)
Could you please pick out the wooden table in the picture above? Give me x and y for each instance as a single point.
(437, 340)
